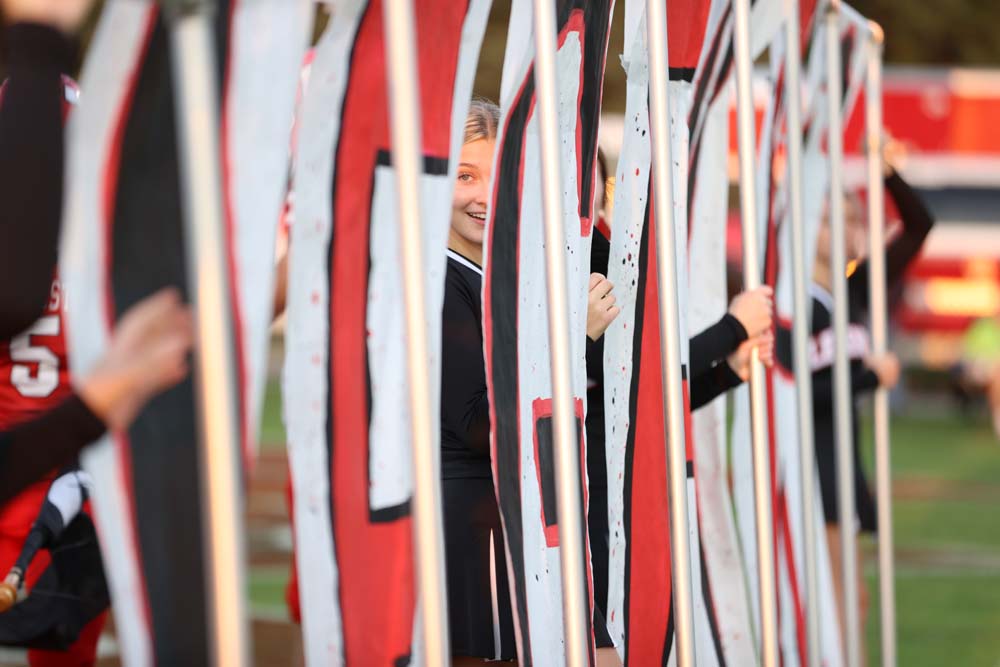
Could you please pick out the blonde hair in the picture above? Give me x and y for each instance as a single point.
(483, 120)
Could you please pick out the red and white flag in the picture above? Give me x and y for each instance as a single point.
(124, 239)
(701, 58)
(345, 383)
(515, 305)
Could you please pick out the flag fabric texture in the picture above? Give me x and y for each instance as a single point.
(775, 234)
(123, 239)
(640, 610)
(708, 192)
(701, 62)
(515, 299)
(345, 384)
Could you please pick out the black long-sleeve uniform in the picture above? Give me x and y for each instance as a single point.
(465, 407)
(474, 551)
(917, 223)
(31, 188)
(472, 529)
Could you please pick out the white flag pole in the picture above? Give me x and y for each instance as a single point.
(428, 531)
(847, 513)
(764, 520)
(573, 562)
(192, 37)
(800, 327)
(670, 334)
(880, 336)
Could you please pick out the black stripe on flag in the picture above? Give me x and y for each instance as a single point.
(147, 253)
(503, 268)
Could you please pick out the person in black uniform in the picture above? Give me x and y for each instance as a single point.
(868, 371)
(480, 617)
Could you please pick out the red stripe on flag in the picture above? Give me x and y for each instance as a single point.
(650, 586)
(232, 255)
(793, 579)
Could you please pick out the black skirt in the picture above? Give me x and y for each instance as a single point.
(826, 461)
(479, 611)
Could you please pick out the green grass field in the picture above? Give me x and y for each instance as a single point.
(947, 532)
(946, 476)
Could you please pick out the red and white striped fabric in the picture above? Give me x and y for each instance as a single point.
(640, 613)
(345, 385)
(701, 60)
(123, 239)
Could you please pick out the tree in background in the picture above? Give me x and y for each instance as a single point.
(943, 32)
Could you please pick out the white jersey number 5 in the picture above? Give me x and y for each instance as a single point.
(45, 380)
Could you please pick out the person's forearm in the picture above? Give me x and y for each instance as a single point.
(65, 430)
(917, 224)
(715, 343)
(31, 171)
(711, 384)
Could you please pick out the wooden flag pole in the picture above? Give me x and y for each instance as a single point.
(752, 275)
(800, 327)
(880, 341)
(428, 530)
(670, 334)
(192, 36)
(846, 510)
(569, 494)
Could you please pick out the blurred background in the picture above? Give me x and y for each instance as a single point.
(942, 102)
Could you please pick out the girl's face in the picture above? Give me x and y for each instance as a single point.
(855, 233)
(472, 191)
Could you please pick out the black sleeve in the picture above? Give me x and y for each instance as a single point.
(66, 430)
(463, 369)
(715, 381)
(917, 224)
(45, 530)
(863, 379)
(715, 343)
(31, 171)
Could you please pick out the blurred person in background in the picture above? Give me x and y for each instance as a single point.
(868, 372)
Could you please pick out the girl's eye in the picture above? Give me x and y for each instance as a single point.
(465, 178)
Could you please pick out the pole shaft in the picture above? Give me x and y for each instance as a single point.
(752, 279)
(670, 331)
(192, 42)
(800, 328)
(847, 514)
(428, 533)
(880, 344)
(569, 494)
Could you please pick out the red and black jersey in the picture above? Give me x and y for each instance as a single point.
(34, 373)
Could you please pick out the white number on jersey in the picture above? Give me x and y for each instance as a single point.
(43, 382)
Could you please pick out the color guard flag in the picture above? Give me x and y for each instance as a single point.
(345, 384)
(124, 239)
(640, 610)
(515, 301)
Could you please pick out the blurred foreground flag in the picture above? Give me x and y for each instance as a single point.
(124, 239)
